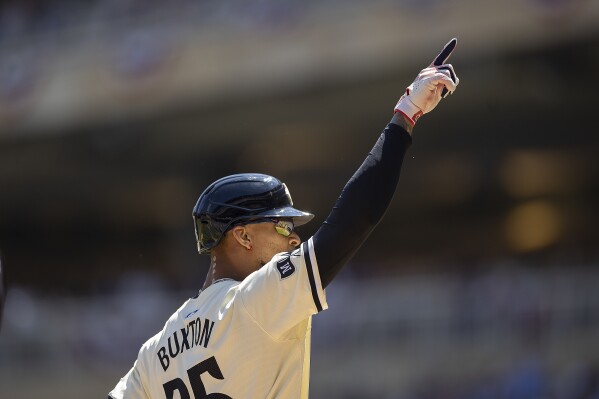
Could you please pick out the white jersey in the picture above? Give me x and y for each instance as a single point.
(240, 340)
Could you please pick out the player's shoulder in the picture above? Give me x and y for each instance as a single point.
(286, 263)
(148, 349)
(294, 255)
(282, 264)
(207, 302)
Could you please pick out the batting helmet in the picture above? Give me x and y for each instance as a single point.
(238, 199)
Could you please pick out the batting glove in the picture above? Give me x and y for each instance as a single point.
(431, 84)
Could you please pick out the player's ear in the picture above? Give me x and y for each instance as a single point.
(241, 236)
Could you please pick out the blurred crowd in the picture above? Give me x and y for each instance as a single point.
(529, 379)
(30, 17)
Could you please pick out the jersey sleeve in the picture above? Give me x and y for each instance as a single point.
(285, 291)
(130, 386)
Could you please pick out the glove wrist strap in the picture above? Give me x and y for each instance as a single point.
(411, 111)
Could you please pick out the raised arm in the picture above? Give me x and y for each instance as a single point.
(368, 193)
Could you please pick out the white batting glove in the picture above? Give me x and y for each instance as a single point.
(431, 84)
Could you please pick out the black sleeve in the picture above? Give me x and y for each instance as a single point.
(362, 203)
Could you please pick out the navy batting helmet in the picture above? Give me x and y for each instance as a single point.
(238, 199)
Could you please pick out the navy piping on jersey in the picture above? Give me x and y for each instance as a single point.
(311, 277)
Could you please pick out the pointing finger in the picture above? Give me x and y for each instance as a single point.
(445, 53)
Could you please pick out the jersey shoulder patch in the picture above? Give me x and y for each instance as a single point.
(285, 267)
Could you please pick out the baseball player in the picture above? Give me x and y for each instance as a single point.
(246, 335)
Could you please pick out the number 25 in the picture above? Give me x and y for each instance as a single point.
(195, 378)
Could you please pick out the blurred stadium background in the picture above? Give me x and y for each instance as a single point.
(482, 280)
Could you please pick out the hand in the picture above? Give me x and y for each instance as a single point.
(431, 84)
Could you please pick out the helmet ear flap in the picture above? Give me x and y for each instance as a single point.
(208, 233)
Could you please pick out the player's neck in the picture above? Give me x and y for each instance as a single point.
(220, 268)
(212, 275)
(232, 261)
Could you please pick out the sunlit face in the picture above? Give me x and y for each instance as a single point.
(272, 237)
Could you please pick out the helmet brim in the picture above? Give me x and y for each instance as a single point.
(299, 217)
